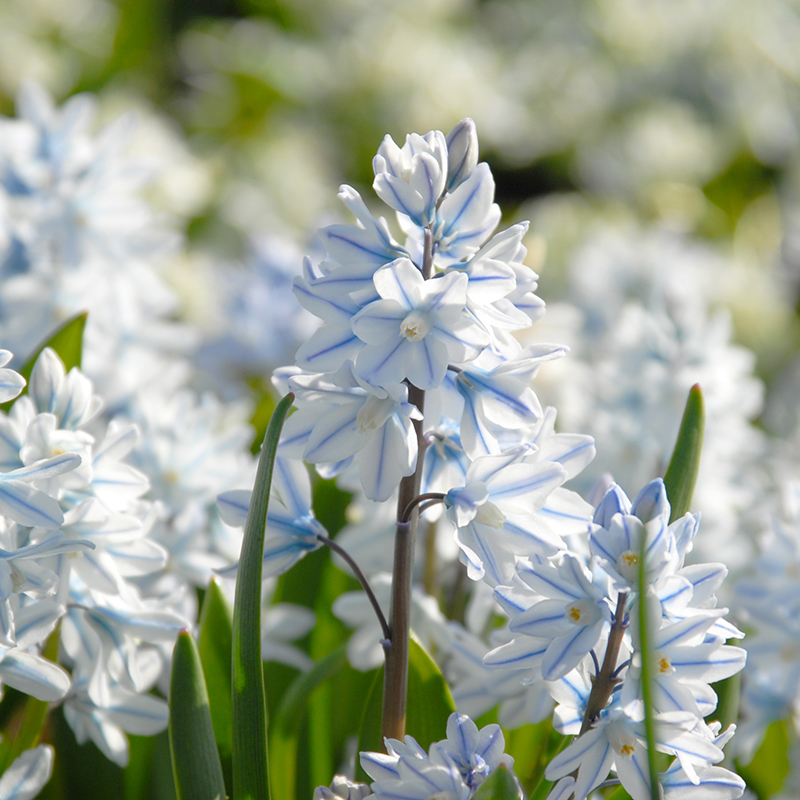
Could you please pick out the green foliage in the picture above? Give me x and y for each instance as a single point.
(500, 785)
(215, 645)
(533, 747)
(429, 704)
(648, 668)
(286, 726)
(67, 341)
(198, 772)
(681, 475)
(250, 769)
(770, 765)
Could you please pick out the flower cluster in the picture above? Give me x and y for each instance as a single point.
(567, 611)
(76, 550)
(414, 372)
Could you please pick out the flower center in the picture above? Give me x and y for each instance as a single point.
(489, 514)
(628, 565)
(664, 664)
(415, 326)
(373, 413)
(582, 612)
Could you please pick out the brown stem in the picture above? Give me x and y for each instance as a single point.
(395, 680)
(606, 679)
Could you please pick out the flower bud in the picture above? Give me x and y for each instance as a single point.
(462, 152)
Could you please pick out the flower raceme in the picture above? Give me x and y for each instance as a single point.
(414, 379)
(411, 313)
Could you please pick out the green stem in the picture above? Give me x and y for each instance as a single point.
(647, 673)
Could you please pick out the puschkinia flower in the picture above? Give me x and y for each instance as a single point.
(566, 609)
(455, 766)
(341, 418)
(416, 329)
(494, 512)
(411, 180)
(11, 382)
(27, 774)
(291, 530)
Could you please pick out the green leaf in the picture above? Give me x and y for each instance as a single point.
(250, 768)
(285, 728)
(67, 341)
(648, 670)
(331, 724)
(429, 705)
(532, 747)
(681, 475)
(195, 763)
(552, 744)
(216, 646)
(500, 785)
(766, 773)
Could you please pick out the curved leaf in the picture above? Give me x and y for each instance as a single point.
(195, 763)
(67, 341)
(250, 768)
(681, 475)
(215, 645)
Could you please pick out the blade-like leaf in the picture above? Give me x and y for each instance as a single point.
(500, 785)
(681, 475)
(215, 644)
(67, 341)
(250, 769)
(429, 705)
(648, 669)
(195, 763)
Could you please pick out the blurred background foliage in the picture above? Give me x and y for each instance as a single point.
(678, 114)
(629, 116)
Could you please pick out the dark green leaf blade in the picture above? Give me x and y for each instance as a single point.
(195, 763)
(215, 644)
(500, 785)
(67, 341)
(250, 768)
(681, 475)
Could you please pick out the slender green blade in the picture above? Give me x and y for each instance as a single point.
(429, 705)
(67, 341)
(500, 785)
(648, 671)
(215, 644)
(250, 768)
(681, 475)
(195, 763)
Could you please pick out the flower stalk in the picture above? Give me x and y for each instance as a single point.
(395, 680)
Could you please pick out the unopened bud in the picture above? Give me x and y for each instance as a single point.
(462, 152)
